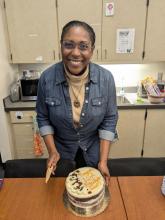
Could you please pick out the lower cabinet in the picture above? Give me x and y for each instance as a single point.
(131, 133)
(154, 141)
(23, 132)
(141, 133)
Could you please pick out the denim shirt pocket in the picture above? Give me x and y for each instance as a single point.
(52, 102)
(98, 106)
(55, 107)
(97, 101)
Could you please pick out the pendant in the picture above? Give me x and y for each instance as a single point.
(76, 103)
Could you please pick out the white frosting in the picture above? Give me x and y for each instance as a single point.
(84, 182)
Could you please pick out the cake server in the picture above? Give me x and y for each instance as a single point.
(48, 173)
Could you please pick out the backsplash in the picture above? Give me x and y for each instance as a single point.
(125, 75)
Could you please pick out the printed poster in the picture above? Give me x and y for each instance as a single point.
(125, 40)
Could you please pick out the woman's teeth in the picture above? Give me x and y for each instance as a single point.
(75, 61)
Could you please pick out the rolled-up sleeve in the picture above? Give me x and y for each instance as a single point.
(107, 129)
(42, 109)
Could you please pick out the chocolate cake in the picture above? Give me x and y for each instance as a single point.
(85, 188)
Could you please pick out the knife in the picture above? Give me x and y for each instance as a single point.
(48, 173)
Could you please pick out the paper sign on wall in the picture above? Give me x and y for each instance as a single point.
(125, 40)
(109, 9)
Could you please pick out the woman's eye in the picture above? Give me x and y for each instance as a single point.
(83, 46)
(71, 45)
(68, 45)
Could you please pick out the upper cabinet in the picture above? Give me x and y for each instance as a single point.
(123, 30)
(129, 31)
(155, 32)
(88, 11)
(32, 30)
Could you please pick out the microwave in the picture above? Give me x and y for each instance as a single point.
(28, 89)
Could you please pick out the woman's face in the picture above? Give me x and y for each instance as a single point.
(76, 50)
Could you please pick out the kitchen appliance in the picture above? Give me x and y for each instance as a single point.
(15, 92)
(29, 85)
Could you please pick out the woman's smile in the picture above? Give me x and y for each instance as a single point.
(75, 62)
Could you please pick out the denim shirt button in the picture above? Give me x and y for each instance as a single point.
(99, 103)
(83, 114)
(52, 103)
(87, 88)
(86, 101)
(81, 125)
(78, 133)
(85, 149)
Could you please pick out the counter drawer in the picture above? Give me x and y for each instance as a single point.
(22, 116)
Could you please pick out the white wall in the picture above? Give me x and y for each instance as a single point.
(7, 74)
(130, 74)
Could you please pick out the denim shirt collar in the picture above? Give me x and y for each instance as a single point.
(60, 74)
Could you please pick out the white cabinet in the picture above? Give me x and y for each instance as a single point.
(128, 14)
(131, 130)
(154, 141)
(23, 130)
(88, 11)
(155, 32)
(32, 27)
(141, 133)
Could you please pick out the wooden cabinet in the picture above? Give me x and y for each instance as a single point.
(32, 27)
(155, 32)
(23, 130)
(88, 11)
(131, 130)
(125, 16)
(154, 140)
(35, 27)
(141, 133)
(128, 14)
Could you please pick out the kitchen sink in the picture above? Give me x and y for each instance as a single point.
(122, 100)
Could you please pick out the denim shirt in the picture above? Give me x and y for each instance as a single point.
(98, 117)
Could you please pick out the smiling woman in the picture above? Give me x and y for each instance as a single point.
(76, 103)
(77, 45)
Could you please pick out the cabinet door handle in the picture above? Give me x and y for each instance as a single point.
(97, 54)
(54, 54)
(59, 56)
(105, 53)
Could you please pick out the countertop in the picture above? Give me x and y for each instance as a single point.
(18, 106)
(132, 98)
(136, 102)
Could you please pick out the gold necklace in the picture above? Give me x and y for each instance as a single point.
(76, 101)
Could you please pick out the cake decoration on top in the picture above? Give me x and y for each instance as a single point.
(85, 181)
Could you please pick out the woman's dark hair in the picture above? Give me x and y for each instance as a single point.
(76, 23)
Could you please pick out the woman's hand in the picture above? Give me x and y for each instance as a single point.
(102, 166)
(52, 160)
